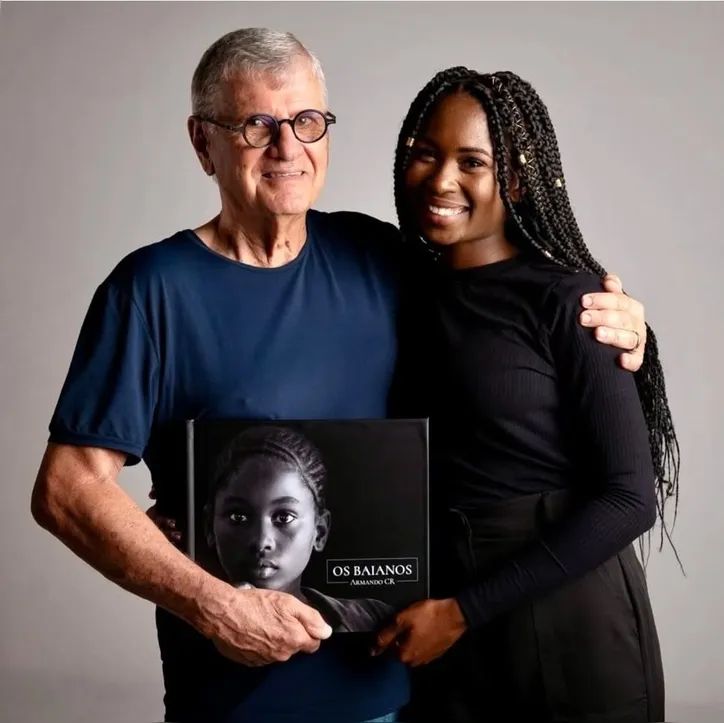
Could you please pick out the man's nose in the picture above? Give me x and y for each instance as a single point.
(286, 146)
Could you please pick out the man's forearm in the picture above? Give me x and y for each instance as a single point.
(77, 499)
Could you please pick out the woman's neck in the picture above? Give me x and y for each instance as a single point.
(480, 252)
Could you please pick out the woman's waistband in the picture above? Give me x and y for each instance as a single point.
(525, 515)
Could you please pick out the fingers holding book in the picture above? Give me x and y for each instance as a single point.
(167, 525)
(257, 627)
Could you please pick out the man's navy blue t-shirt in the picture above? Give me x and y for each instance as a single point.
(178, 331)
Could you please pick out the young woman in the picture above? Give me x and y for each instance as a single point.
(266, 516)
(549, 460)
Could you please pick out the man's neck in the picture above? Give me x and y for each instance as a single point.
(269, 243)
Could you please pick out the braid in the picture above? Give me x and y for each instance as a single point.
(287, 445)
(525, 146)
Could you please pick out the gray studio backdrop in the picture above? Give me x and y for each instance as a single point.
(94, 161)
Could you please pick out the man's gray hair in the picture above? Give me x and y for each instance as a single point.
(248, 51)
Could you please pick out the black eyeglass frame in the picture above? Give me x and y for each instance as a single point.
(276, 125)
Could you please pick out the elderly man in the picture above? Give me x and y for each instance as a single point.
(269, 310)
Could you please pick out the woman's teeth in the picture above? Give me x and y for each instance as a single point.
(440, 211)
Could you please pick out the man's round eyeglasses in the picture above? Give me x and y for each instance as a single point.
(309, 126)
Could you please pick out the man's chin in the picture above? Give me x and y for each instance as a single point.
(291, 202)
(296, 207)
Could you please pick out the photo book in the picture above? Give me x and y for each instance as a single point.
(334, 512)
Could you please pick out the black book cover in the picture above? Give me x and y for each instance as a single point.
(335, 512)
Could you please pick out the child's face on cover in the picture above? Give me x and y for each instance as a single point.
(265, 525)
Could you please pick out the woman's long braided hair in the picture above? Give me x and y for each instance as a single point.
(525, 146)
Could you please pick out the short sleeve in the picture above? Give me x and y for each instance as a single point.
(110, 391)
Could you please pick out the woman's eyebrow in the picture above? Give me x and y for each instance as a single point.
(285, 501)
(236, 499)
(474, 149)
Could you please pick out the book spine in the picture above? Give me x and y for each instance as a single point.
(426, 427)
(190, 492)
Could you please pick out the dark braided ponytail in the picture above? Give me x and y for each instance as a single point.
(525, 146)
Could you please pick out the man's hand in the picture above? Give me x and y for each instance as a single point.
(257, 627)
(253, 626)
(618, 320)
(423, 632)
(77, 498)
